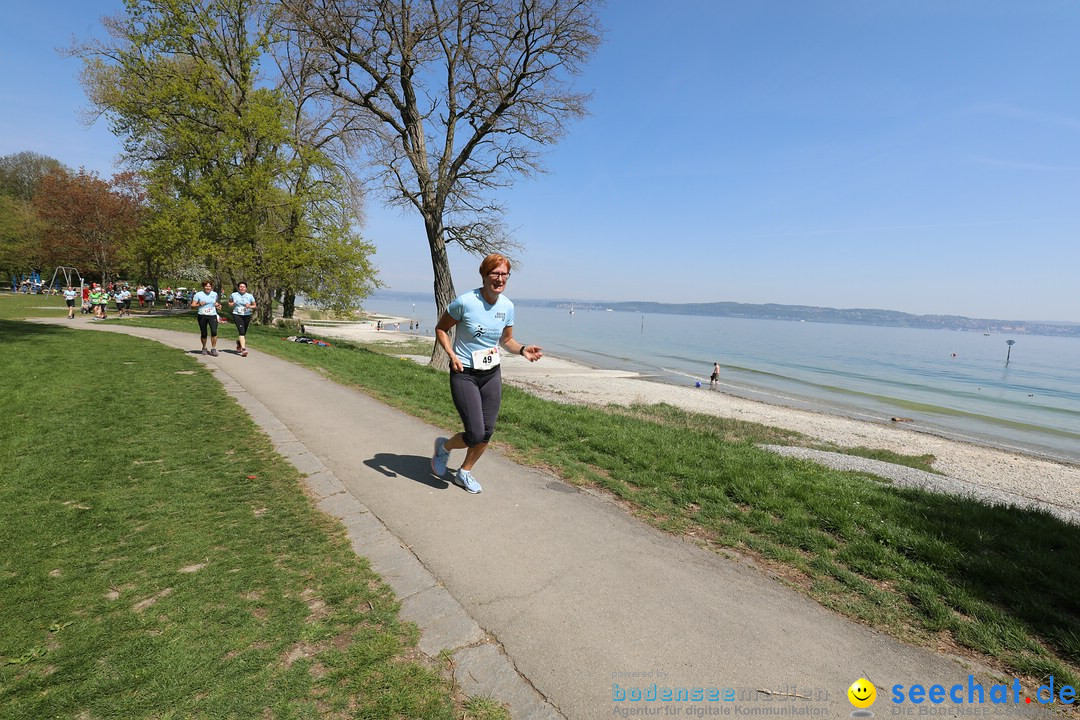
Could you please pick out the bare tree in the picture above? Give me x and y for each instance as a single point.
(452, 99)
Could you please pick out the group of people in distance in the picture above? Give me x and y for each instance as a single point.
(205, 303)
(95, 299)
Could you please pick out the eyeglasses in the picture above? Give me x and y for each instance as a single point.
(498, 275)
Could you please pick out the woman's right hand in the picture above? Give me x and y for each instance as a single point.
(455, 364)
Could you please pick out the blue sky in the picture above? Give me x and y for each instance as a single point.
(914, 155)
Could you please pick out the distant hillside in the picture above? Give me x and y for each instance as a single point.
(852, 316)
(807, 313)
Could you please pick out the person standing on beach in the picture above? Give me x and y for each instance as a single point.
(207, 305)
(485, 320)
(242, 303)
(714, 379)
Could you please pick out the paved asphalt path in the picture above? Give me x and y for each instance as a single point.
(579, 601)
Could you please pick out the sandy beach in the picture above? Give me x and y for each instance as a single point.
(1009, 475)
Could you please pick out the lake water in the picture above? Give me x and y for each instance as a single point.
(953, 383)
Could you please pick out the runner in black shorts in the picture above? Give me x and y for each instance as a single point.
(484, 319)
(207, 305)
(242, 303)
(69, 297)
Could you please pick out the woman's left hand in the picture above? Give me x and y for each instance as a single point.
(532, 353)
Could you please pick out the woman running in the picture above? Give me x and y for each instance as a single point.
(485, 320)
(207, 305)
(69, 298)
(242, 303)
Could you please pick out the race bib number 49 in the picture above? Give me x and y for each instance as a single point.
(486, 359)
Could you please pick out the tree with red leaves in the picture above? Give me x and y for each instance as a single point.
(88, 222)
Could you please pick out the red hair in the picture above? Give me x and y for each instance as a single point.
(493, 261)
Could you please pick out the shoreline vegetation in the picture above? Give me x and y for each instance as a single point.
(992, 583)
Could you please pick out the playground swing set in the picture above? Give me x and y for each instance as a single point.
(31, 282)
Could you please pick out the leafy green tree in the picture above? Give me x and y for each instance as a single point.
(20, 229)
(163, 246)
(20, 237)
(332, 263)
(182, 83)
(21, 173)
(155, 250)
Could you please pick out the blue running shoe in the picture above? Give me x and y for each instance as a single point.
(464, 479)
(438, 460)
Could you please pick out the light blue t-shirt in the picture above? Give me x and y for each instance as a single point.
(70, 294)
(480, 325)
(206, 302)
(242, 303)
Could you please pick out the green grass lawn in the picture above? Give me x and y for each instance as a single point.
(161, 560)
(931, 569)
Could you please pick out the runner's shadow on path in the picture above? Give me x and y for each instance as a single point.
(413, 467)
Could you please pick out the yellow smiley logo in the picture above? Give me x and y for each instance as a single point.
(862, 693)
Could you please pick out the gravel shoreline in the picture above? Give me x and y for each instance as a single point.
(911, 477)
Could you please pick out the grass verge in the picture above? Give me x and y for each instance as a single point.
(162, 561)
(933, 569)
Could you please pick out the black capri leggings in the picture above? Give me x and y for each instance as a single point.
(477, 396)
(242, 322)
(207, 321)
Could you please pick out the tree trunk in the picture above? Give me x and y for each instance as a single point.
(288, 295)
(444, 282)
(151, 275)
(264, 303)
